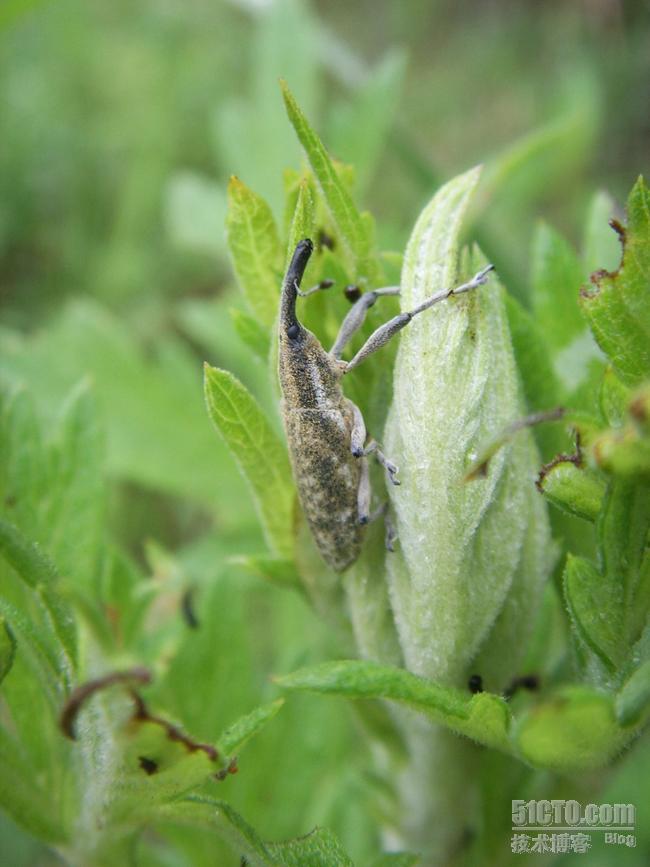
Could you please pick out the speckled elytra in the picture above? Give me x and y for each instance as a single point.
(325, 431)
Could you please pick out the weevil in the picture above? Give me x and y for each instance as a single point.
(326, 433)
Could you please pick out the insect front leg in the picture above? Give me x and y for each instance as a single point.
(356, 317)
(389, 329)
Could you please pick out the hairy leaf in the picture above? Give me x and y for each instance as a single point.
(482, 717)
(258, 451)
(574, 730)
(255, 249)
(595, 604)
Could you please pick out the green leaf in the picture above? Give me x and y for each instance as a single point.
(595, 604)
(24, 468)
(39, 573)
(77, 499)
(624, 552)
(574, 730)
(541, 384)
(482, 717)
(252, 333)
(27, 805)
(617, 307)
(634, 696)
(600, 246)
(39, 652)
(246, 727)
(319, 848)
(278, 571)
(258, 451)
(557, 275)
(353, 233)
(219, 817)
(614, 399)
(7, 648)
(577, 491)
(302, 222)
(255, 248)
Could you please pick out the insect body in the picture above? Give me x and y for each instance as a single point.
(325, 430)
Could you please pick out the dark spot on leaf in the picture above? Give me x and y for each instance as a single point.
(528, 682)
(475, 684)
(148, 765)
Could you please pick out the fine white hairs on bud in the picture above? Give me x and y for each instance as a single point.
(472, 556)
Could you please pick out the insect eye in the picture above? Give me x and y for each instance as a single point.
(292, 332)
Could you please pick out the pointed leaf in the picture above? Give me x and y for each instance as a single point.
(258, 451)
(557, 277)
(302, 222)
(255, 248)
(246, 727)
(252, 333)
(482, 717)
(77, 499)
(596, 608)
(283, 573)
(341, 206)
(600, 245)
(618, 306)
(634, 697)
(320, 848)
(39, 573)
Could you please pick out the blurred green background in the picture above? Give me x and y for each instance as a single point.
(120, 125)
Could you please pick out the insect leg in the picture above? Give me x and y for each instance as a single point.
(364, 493)
(388, 465)
(356, 316)
(389, 329)
(324, 284)
(390, 533)
(359, 449)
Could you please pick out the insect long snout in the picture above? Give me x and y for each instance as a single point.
(289, 323)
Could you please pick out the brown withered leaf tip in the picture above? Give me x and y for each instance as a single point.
(576, 459)
(596, 276)
(142, 714)
(84, 691)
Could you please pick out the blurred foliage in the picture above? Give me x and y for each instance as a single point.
(121, 125)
